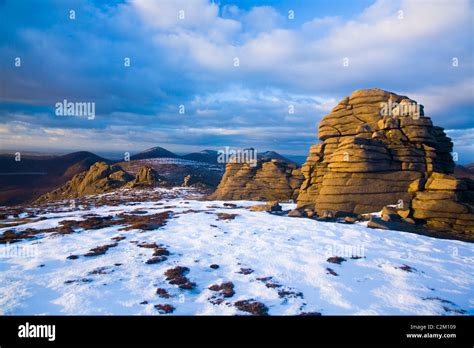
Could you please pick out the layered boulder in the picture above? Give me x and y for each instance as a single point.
(146, 176)
(379, 149)
(374, 145)
(445, 203)
(266, 179)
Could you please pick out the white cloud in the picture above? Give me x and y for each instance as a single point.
(463, 140)
(445, 97)
(175, 15)
(190, 61)
(310, 57)
(261, 18)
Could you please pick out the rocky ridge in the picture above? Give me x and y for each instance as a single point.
(101, 178)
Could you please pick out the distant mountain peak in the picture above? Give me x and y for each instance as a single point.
(208, 156)
(154, 152)
(155, 148)
(208, 151)
(274, 155)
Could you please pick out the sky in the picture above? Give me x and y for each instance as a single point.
(183, 91)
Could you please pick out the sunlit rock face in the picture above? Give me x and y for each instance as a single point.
(266, 179)
(99, 178)
(374, 144)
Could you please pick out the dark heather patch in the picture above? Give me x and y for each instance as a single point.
(283, 292)
(225, 289)
(454, 310)
(214, 266)
(10, 236)
(331, 271)
(272, 285)
(156, 259)
(176, 272)
(288, 293)
(251, 306)
(100, 250)
(147, 245)
(336, 259)
(146, 222)
(143, 222)
(215, 300)
(19, 222)
(176, 276)
(160, 251)
(246, 271)
(163, 293)
(91, 223)
(439, 299)
(118, 238)
(165, 308)
(407, 268)
(101, 270)
(225, 216)
(83, 280)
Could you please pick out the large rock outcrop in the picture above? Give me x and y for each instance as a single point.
(368, 159)
(269, 179)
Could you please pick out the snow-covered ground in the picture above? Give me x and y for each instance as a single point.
(277, 261)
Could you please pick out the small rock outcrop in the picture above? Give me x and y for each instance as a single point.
(197, 180)
(146, 176)
(271, 206)
(267, 179)
(445, 203)
(186, 180)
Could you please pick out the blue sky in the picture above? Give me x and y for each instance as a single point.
(190, 62)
